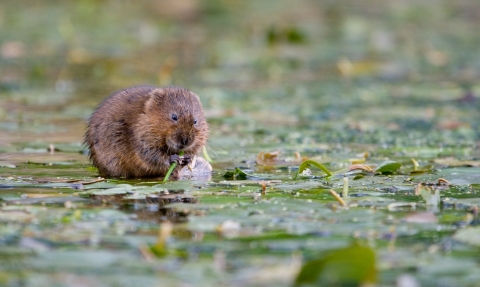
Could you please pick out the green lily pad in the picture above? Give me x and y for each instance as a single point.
(350, 266)
(388, 167)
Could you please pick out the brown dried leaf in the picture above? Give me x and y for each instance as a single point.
(361, 167)
(267, 158)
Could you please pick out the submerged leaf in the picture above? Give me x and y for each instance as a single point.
(350, 266)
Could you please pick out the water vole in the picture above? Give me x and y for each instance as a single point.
(140, 131)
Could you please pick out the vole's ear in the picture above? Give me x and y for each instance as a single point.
(156, 100)
(158, 95)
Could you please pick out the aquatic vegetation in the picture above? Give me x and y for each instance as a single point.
(344, 141)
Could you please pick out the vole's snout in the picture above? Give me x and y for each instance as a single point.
(184, 141)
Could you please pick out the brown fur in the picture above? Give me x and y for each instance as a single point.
(132, 133)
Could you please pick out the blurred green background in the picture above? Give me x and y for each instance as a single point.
(276, 62)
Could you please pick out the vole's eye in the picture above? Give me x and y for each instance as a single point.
(195, 121)
(174, 117)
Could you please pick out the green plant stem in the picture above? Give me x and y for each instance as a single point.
(172, 167)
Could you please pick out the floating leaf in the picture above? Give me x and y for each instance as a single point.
(388, 167)
(350, 266)
(307, 163)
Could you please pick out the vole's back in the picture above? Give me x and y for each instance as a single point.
(109, 130)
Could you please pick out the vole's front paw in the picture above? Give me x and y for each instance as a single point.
(185, 159)
(181, 160)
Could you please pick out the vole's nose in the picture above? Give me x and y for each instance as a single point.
(184, 141)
